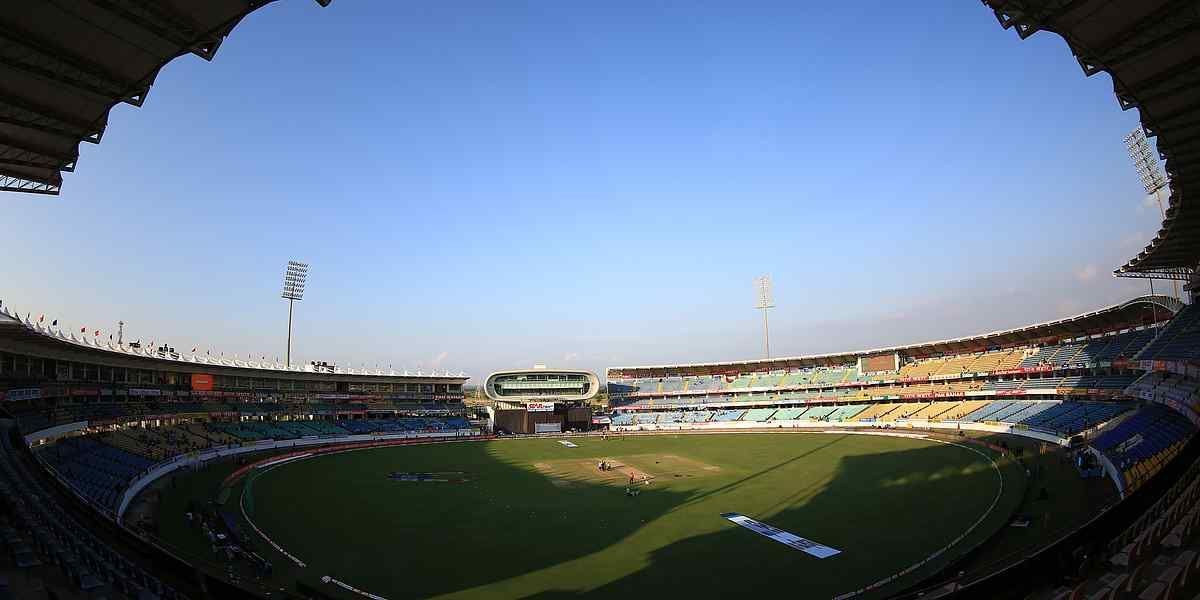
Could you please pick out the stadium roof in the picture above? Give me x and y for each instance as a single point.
(65, 63)
(29, 334)
(1151, 48)
(1140, 311)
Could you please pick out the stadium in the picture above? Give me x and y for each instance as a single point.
(1055, 460)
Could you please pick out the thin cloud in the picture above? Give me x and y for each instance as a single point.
(1149, 202)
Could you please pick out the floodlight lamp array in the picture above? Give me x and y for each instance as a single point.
(294, 280)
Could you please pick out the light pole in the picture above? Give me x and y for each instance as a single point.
(764, 304)
(294, 279)
(1151, 175)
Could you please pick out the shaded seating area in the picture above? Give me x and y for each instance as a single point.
(1142, 444)
(1070, 418)
(44, 540)
(96, 470)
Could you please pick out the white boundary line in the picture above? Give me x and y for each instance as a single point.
(348, 587)
(858, 592)
(953, 542)
(271, 466)
(242, 505)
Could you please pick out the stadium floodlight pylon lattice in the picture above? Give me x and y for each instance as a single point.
(764, 304)
(1146, 164)
(1153, 179)
(294, 279)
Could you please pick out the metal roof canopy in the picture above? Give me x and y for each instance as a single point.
(65, 63)
(19, 338)
(1151, 48)
(1140, 311)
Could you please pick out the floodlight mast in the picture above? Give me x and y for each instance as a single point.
(764, 304)
(294, 279)
(1153, 179)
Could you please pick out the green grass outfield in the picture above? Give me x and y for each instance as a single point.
(535, 518)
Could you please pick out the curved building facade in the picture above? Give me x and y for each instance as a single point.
(542, 385)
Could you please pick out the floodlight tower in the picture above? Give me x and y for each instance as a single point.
(294, 279)
(1153, 179)
(764, 304)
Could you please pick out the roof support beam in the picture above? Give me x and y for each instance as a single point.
(25, 52)
(156, 18)
(22, 113)
(1183, 111)
(12, 183)
(1171, 273)
(20, 150)
(1178, 78)
(1160, 27)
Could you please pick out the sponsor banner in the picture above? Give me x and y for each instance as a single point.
(21, 394)
(601, 420)
(567, 444)
(1008, 372)
(1010, 392)
(1037, 369)
(143, 392)
(540, 407)
(202, 382)
(1033, 391)
(789, 539)
(1071, 391)
(87, 391)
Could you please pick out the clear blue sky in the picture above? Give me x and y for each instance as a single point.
(483, 185)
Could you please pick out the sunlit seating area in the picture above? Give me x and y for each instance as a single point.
(1052, 416)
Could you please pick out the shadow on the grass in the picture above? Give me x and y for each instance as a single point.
(548, 525)
(877, 540)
